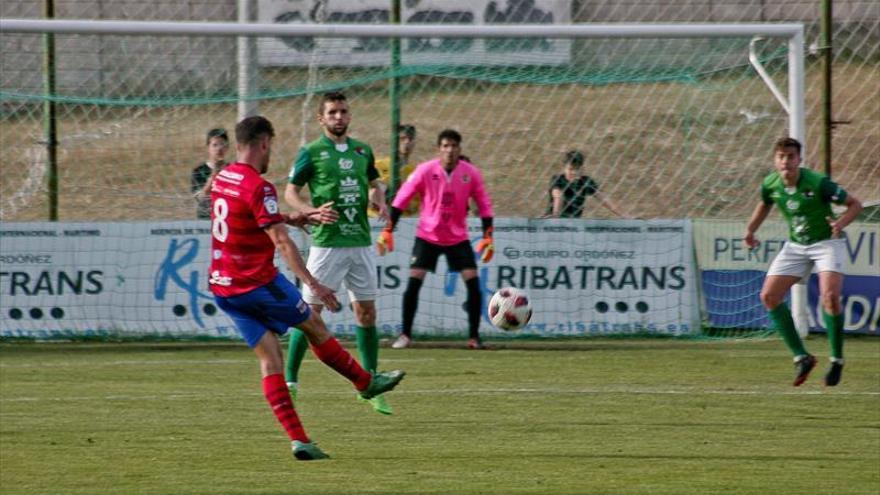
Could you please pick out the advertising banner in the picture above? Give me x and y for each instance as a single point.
(349, 52)
(732, 275)
(150, 279)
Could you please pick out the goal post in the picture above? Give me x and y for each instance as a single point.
(522, 125)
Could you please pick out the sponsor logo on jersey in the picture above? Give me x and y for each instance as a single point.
(218, 279)
(792, 204)
(350, 213)
(465, 178)
(234, 176)
(349, 198)
(348, 182)
(229, 180)
(346, 163)
(324, 155)
(271, 204)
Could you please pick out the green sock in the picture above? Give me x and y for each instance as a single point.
(834, 324)
(296, 351)
(368, 347)
(784, 324)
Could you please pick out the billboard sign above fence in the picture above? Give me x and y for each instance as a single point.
(142, 279)
(348, 52)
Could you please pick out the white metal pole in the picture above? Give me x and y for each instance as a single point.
(797, 129)
(683, 30)
(765, 76)
(247, 66)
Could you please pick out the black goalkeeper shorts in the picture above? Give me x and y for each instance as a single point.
(458, 256)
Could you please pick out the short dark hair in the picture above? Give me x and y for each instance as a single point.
(408, 129)
(216, 132)
(787, 142)
(450, 135)
(574, 157)
(252, 129)
(328, 97)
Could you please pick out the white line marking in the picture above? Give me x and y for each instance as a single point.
(466, 391)
(166, 362)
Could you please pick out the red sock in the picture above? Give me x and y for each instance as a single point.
(275, 390)
(334, 356)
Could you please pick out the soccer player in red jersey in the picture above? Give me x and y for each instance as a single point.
(246, 229)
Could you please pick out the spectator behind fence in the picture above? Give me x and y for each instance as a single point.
(217, 142)
(569, 190)
(405, 145)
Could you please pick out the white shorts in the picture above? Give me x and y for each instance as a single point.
(797, 260)
(353, 266)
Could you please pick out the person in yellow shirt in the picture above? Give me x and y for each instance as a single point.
(406, 144)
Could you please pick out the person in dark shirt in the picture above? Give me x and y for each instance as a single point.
(569, 190)
(217, 142)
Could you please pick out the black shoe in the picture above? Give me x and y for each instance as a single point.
(832, 378)
(803, 367)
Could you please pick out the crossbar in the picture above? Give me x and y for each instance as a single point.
(171, 28)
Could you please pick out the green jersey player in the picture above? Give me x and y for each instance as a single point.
(341, 176)
(804, 197)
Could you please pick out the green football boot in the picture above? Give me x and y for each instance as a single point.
(380, 405)
(382, 382)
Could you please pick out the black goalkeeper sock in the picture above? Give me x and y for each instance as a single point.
(474, 305)
(410, 304)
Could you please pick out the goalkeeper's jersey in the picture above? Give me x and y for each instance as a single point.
(445, 196)
(807, 206)
(342, 174)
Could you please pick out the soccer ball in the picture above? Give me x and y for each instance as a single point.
(510, 309)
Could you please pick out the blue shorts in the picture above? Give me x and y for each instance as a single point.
(275, 306)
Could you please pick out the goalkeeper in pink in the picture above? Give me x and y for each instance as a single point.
(445, 185)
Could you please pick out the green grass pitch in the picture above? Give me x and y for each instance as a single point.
(591, 416)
